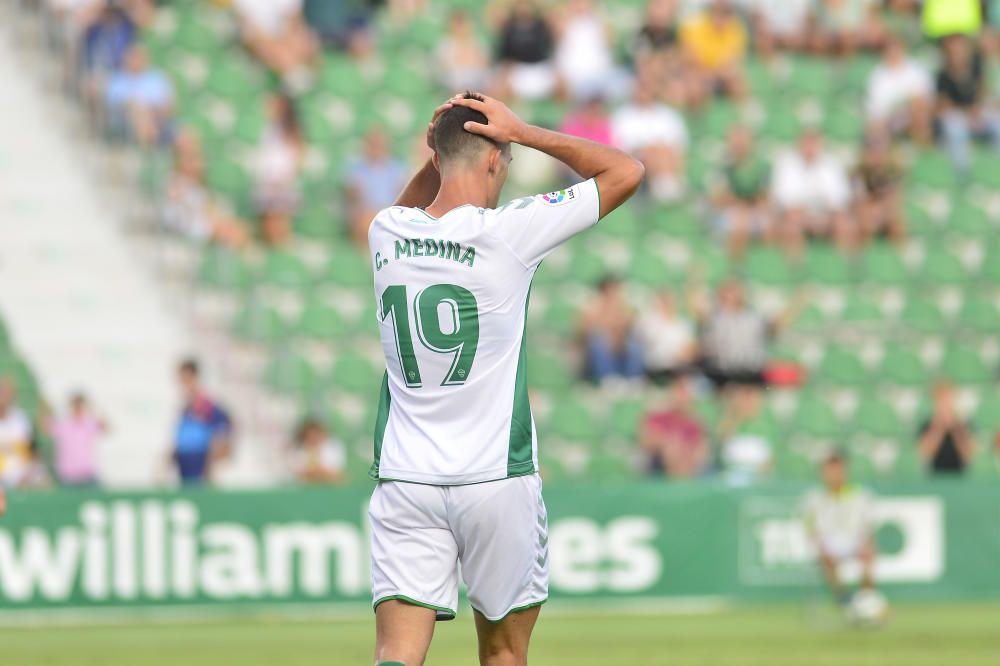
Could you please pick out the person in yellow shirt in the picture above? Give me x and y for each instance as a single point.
(715, 44)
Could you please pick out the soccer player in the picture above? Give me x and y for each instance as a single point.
(839, 519)
(455, 445)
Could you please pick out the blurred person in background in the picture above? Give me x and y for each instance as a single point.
(76, 435)
(658, 59)
(372, 182)
(35, 473)
(900, 94)
(189, 207)
(673, 437)
(16, 435)
(140, 100)
(318, 457)
(747, 457)
(659, 34)
(607, 332)
(735, 337)
(715, 43)
(276, 32)
(946, 442)
(781, 26)
(742, 198)
(590, 121)
(845, 26)
(583, 52)
(878, 184)
(839, 519)
(811, 190)
(941, 18)
(525, 45)
(278, 159)
(462, 59)
(667, 339)
(963, 107)
(203, 436)
(657, 135)
(107, 36)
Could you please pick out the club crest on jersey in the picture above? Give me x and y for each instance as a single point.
(559, 197)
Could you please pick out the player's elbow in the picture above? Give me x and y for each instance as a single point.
(633, 173)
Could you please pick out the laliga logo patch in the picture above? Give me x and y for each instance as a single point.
(559, 197)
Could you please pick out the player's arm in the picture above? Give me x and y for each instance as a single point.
(424, 185)
(616, 173)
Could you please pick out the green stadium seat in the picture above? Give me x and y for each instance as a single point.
(969, 219)
(979, 315)
(323, 323)
(882, 265)
(649, 268)
(842, 367)
(877, 417)
(348, 268)
(940, 267)
(291, 374)
(990, 268)
(224, 270)
(678, 222)
(922, 315)
(903, 367)
(919, 220)
(828, 266)
(769, 267)
(573, 421)
(932, 169)
(587, 268)
(259, 323)
(862, 310)
(811, 318)
(815, 417)
(987, 415)
(285, 270)
(965, 366)
(353, 373)
(549, 372)
(625, 418)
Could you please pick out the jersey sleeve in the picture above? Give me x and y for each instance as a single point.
(533, 227)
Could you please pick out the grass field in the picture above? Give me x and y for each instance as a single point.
(772, 636)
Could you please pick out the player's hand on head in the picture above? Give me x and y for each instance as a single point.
(434, 118)
(503, 124)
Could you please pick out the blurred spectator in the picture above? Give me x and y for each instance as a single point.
(583, 53)
(667, 339)
(373, 183)
(35, 473)
(900, 94)
(747, 457)
(845, 26)
(108, 35)
(659, 35)
(952, 17)
(16, 434)
(462, 57)
(318, 458)
(140, 100)
(840, 521)
(781, 26)
(655, 134)
(812, 192)
(715, 42)
(946, 441)
(275, 31)
(607, 330)
(963, 110)
(902, 19)
(278, 159)
(76, 436)
(673, 436)
(189, 207)
(879, 192)
(590, 121)
(204, 431)
(525, 46)
(742, 198)
(3, 501)
(734, 337)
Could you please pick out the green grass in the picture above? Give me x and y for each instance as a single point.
(772, 636)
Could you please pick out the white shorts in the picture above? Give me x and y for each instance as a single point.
(497, 531)
(841, 548)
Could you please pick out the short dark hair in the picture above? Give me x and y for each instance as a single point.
(452, 140)
(189, 365)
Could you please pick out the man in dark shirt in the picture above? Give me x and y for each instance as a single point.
(203, 433)
(946, 442)
(962, 113)
(524, 51)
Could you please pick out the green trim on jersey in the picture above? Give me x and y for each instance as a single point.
(519, 453)
(526, 472)
(382, 418)
(598, 188)
(443, 613)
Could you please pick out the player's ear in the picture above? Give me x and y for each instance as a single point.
(495, 157)
(436, 161)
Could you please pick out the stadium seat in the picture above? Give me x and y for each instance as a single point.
(882, 264)
(841, 366)
(827, 266)
(353, 373)
(862, 310)
(323, 323)
(815, 417)
(941, 268)
(224, 270)
(259, 323)
(768, 267)
(877, 417)
(626, 417)
(285, 270)
(965, 366)
(922, 315)
(979, 315)
(573, 421)
(549, 372)
(902, 366)
(291, 374)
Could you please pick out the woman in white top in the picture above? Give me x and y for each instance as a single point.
(278, 158)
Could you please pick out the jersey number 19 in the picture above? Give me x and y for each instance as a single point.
(460, 339)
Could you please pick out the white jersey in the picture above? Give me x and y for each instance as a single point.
(451, 297)
(842, 521)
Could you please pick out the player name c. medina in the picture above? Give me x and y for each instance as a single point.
(430, 247)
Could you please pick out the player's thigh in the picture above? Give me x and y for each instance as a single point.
(414, 555)
(505, 643)
(501, 529)
(403, 632)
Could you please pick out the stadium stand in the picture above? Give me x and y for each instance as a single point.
(878, 328)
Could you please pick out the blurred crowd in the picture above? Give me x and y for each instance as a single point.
(638, 91)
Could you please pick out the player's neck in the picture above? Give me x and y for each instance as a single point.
(458, 191)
